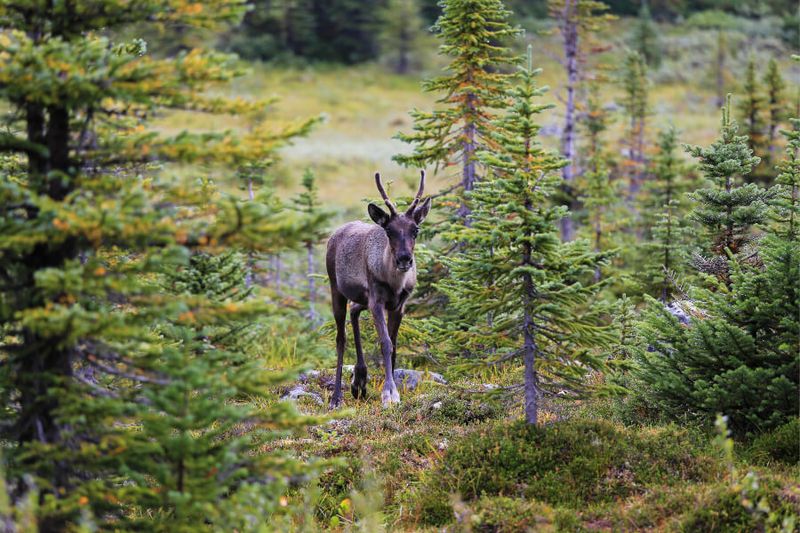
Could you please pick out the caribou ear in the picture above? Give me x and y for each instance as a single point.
(378, 215)
(422, 211)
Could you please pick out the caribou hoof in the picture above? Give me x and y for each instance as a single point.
(389, 397)
(358, 386)
(335, 402)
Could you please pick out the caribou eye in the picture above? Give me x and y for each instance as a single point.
(415, 232)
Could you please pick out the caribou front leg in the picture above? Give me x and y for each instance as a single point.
(389, 395)
(395, 317)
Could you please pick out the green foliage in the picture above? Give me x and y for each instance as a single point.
(778, 445)
(666, 245)
(635, 84)
(22, 515)
(745, 503)
(752, 108)
(127, 399)
(786, 206)
(217, 277)
(474, 35)
(336, 484)
(635, 103)
(465, 409)
(401, 35)
(514, 269)
(745, 340)
(574, 463)
(501, 514)
(342, 31)
(600, 193)
(644, 38)
(776, 107)
(743, 334)
(727, 208)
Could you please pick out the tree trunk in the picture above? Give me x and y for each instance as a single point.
(720, 70)
(34, 117)
(57, 139)
(468, 176)
(529, 347)
(41, 364)
(403, 52)
(276, 269)
(570, 34)
(665, 266)
(598, 236)
(312, 312)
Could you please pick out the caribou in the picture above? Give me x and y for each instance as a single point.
(372, 267)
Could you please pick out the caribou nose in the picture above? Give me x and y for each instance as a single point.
(404, 261)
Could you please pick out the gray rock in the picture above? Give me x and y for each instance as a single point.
(685, 311)
(299, 391)
(678, 312)
(410, 379)
(308, 375)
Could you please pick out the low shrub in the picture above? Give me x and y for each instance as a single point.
(750, 505)
(500, 514)
(782, 445)
(467, 409)
(722, 512)
(425, 504)
(570, 463)
(335, 485)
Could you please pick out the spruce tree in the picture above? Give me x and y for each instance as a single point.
(739, 352)
(719, 66)
(752, 107)
(635, 84)
(317, 219)
(720, 22)
(726, 208)
(664, 209)
(516, 268)
(401, 34)
(786, 206)
(578, 21)
(474, 35)
(645, 37)
(346, 31)
(275, 29)
(88, 223)
(600, 193)
(197, 436)
(739, 355)
(776, 107)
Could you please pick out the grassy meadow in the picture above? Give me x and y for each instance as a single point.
(364, 106)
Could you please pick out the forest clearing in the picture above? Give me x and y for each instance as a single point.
(400, 265)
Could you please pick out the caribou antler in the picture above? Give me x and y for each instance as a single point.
(418, 197)
(385, 196)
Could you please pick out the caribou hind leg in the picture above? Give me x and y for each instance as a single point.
(358, 386)
(339, 304)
